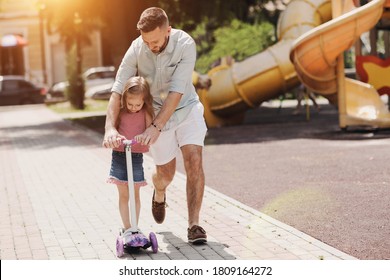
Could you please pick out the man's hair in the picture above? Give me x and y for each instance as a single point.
(152, 18)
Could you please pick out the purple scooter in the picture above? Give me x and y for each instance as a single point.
(133, 239)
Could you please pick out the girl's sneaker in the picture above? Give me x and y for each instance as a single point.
(129, 232)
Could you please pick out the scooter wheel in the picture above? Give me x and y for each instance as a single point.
(153, 240)
(119, 247)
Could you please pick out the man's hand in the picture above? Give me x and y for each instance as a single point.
(138, 138)
(149, 136)
(112, 139)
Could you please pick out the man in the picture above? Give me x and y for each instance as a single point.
(165, 57)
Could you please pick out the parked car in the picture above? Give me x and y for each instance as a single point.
(16, 90)
(95, 76)
(101, 92)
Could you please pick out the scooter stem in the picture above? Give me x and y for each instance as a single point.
(130, 180)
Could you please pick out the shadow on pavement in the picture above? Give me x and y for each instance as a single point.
(176, 248)
(50, 135)
(179, 249)
(269, 124)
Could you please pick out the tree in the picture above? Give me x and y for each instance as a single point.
(73, 20)
(238, 40)
(120, 19)
(187, 14)
(224, 28)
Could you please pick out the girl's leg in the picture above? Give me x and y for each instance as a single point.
(137, 202)
(123, 192)
(124, 208)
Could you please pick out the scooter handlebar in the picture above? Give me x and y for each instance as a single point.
(129, 142)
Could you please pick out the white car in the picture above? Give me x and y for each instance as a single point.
(95, 76)
(100, 92)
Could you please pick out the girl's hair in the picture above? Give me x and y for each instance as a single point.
(138, 86)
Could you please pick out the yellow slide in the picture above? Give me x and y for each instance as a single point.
(315, 57)
(266, 75)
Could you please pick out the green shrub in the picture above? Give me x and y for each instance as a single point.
(238, 40)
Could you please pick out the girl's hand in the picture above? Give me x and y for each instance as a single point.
(112, 139)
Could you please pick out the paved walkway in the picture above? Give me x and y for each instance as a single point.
(55, 203)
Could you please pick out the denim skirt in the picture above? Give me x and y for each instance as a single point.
(118, 170)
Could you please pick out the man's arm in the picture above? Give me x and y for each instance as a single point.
(152, 132)
(112, 139)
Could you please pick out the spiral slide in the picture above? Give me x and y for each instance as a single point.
(315, 59)
(266, 75)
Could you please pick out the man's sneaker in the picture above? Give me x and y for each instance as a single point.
(196, 235)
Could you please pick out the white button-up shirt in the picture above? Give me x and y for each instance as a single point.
(169, 71)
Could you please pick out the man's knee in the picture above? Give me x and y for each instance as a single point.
(193, 159)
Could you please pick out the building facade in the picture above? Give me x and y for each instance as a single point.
(27, 49)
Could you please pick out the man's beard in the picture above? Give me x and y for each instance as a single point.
(163, 46)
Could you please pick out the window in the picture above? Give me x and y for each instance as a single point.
(10, 85)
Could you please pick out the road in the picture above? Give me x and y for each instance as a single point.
(330, 184)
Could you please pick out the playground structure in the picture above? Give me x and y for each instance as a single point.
(312, 38)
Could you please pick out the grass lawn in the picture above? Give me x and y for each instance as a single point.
(93, 122)
(90, 106)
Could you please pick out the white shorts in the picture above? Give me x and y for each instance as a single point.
(192, 130)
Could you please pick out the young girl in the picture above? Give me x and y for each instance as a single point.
(135, 115)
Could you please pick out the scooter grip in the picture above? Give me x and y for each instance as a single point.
(129, 142)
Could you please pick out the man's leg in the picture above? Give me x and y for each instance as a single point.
(192, 155)
(162, 178)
